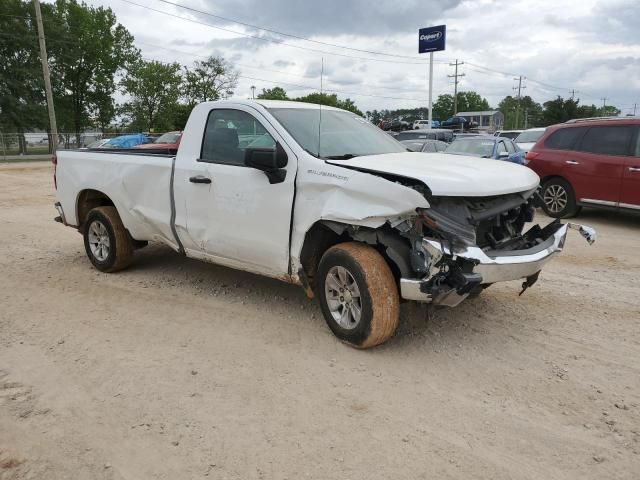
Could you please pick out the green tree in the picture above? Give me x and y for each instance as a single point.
(610, 111)
(586, 111)
(87, 48)
(22, 101)
(472, 102)
(154, 88)
(559, 110)
(210, 79)
(275, 93)
(348, 104)
(527, 112)
(330, 100)
(443, 107)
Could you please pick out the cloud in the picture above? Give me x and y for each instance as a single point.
(329, 17)
(588, 45)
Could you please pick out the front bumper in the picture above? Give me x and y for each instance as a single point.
(492, 266)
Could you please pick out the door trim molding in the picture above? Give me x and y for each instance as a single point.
(599, 202)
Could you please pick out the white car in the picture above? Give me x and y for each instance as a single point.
(508, 133)
(527, 139)
(420, 124)
(327, 201)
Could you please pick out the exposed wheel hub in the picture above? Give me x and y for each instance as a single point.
(555, 198)
(343, 297)
(99, 242)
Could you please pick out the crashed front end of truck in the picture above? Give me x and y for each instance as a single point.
(459, 246)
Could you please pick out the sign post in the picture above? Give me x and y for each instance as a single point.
(431, 39)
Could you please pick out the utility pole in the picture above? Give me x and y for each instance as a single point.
(573, 93)
(455, 83)
(634, 109)
(47, 78)
(253, 92)
(526, 118)
(519, 88)
(604, 104)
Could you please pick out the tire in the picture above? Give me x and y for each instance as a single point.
(106, 241)
(375, 293)
(559, 199)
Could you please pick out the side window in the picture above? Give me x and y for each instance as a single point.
(229, 133)
(565, 138)
(609, 140)
(510, 147)
(637, 152)
(501, 148)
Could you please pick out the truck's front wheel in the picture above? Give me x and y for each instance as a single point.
(106, 241)
(358, 294)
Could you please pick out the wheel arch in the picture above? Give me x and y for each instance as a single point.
(325, 234)
(89, 199)
(545, 179)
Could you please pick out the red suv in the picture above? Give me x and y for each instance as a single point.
(590, 162)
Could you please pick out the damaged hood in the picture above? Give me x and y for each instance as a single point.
(450, 175)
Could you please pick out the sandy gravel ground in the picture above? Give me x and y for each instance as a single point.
(176, 369)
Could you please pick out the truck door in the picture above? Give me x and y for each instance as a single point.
(230, 213)
(630, 197)
(595, 167)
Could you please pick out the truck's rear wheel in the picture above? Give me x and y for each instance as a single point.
(358, 294)
(106, 241)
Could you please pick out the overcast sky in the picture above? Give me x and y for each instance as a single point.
(590, 46)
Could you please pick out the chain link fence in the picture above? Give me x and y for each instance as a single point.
(35, 145)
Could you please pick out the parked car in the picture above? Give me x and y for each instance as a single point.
(396, 125)
(127, 141)
(169, 141)
(97, 143)
(425, 146)
(589, 162)
(430, 134)
(458, 123)
(467, 135)
(424, 124)
(487, 146)
(512, 134)
(354, 219)
(527, 139)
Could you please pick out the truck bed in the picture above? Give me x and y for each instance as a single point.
(138, 183)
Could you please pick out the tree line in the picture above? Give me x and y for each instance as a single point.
(92, 58)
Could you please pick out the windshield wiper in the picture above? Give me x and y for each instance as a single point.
(346, 156)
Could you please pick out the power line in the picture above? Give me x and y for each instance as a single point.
(270, 40)
(182, 52)
(290, 35)
(314, 87)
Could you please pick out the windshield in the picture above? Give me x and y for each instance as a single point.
(343, 134)
(171, 137)
(530, 137)
(477, 147)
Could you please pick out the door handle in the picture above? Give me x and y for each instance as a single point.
(571, 162)
(634, 169)
(200, 179)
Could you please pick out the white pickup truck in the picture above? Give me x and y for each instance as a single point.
(319, 197)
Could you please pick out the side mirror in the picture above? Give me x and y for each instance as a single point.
(503, 155)
(269, 160)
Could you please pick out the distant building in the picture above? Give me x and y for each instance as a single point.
(489, 120)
